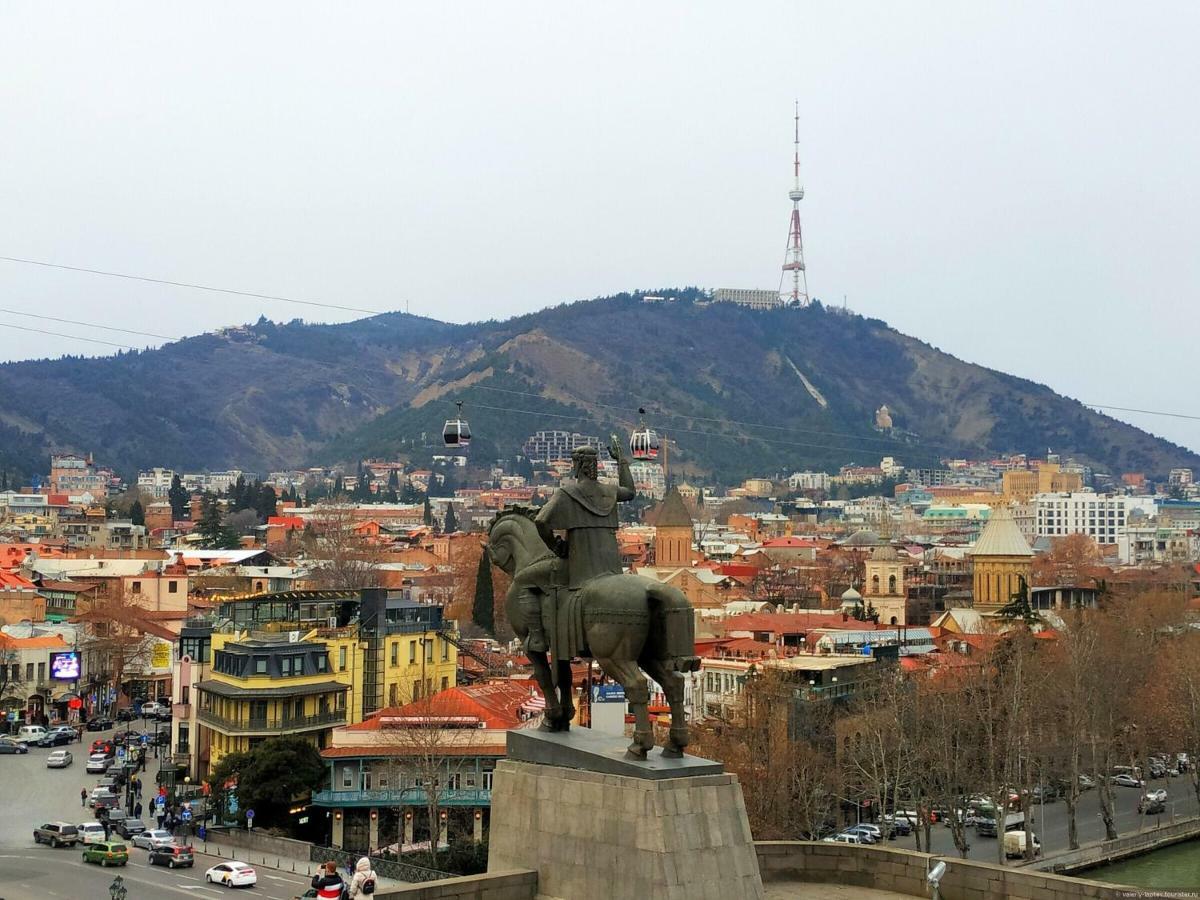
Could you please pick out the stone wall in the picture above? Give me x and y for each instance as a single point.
(515, 885)
(904, 871)
(1095, 854)
(261, 843)
(622, 837)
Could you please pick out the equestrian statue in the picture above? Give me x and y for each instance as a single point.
(569, 598)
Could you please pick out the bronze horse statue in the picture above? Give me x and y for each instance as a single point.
(627, 623)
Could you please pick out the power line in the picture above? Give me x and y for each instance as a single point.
(1147, 412)
(72, 337)
(15, 312)
(186, 284)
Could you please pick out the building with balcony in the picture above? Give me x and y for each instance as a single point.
(189, 749)
(381, 768)
(275, 684)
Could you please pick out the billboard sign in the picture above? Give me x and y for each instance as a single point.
(65, 665)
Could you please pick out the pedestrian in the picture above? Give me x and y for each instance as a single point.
(161, 821)
(328, 883)
(107, 828)
(83, 796)
(363, 882)
(137, 810)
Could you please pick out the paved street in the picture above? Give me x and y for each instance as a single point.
(34, 794)
(1050, 820)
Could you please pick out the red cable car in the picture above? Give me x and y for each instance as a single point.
(644, 443)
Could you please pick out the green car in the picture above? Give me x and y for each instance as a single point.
(107, 853)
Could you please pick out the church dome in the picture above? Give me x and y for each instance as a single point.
(885, 553)
(851, 596)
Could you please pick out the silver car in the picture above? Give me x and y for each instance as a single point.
(59, 759)
(152, 838)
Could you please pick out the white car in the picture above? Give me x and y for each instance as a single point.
(90, 831)
(98, 763)
(846, 839)
(1159, 796)
(59, 759)
(1127, 781)
(154, 837)
(232, 874)
(150, 709)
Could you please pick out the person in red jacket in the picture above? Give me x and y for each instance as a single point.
(328, 883)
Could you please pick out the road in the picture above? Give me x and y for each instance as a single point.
(33, 794)
(1050, 821)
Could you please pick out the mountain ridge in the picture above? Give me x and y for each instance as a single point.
(739, 392)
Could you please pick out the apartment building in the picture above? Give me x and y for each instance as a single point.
(1101, 517)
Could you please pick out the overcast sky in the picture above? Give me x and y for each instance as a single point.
(1015, 183)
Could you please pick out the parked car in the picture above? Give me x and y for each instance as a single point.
(90, 832)
(1086, 782)
(1149, 806)
(152, 837)
(150, 710)
(8, 745)
(871, 833)
(98, 763)
(58, 735)
(231, 874)
(845, 838)
(59, 759)
(164, 714)
(125, 715)
(172, 856)
(106, 853)
(1159, 795)
(100, 723)
(128, 827)
(56, 834)
(898, 825)
(104, 745)
(100, 799)
(1045, 793)
(1127, 781)
(111, 814)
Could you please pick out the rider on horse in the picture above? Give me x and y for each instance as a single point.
(586, 510)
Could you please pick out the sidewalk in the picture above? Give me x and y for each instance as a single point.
(213, 847)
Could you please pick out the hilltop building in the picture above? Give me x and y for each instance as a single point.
(751, 298)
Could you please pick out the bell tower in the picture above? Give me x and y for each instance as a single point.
(672, 532)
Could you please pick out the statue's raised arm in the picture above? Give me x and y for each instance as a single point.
(626, 490)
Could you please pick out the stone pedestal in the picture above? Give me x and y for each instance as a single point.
(621, 836)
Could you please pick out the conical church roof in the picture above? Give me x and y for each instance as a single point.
(1001, 537)
(672, 512)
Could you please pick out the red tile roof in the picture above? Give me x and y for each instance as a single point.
(787, 623)
(497, 704)
(414, 750)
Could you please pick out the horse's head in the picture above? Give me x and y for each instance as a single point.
(509, 537)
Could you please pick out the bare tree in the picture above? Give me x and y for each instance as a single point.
(342, 557)
(948, 756)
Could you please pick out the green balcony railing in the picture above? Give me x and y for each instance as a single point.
(407, 797)
(267, 724)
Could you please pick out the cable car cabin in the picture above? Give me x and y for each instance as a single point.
(456, 433)
(644, 445)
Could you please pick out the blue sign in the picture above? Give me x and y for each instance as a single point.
(160, 801)
(608, 693)
(233, 804)
(120, 753)
(186, 814)
(249, 814)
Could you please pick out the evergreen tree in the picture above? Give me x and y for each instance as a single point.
(393, 482)
(483, 610)
(450, 524)
(214, 534)
(265, 501)
(179, 498)
(428, 517)
(136, 514)
(1019, 606)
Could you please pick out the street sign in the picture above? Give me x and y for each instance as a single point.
(186, 814)
(249, 814)
(120, 753)
(160, 801)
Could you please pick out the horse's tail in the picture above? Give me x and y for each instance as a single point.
(672, 615)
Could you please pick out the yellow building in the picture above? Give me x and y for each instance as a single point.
(278, 674)
(884, 588)
(1001, 558)
(1022, 485)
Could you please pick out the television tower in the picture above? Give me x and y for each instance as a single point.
(793, 259)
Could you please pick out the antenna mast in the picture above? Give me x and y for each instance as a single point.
(793, 260)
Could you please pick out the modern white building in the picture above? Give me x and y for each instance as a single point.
(1101, 517)
(750, 297)
(156, 482)
(808, 481)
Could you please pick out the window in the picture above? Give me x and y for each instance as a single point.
(41, 672)
(184, 736)
(445, 650)
(393, 695)
(445, 682)
(291, 665)
(395, 653)
(347, 777)
(135, 587)
(341, 659)
(260, 665)
(29, 671)
(412, 652)
(172, 587)
(185, 696)
(428, 649)
(487, 781)
(322, 663)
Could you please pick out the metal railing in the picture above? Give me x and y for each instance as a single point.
(388, 868)
(414, 796)
(284, 724)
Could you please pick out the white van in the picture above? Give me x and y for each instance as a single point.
(1014, 845)
(30, 734)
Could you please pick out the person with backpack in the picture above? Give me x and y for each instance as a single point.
(363, 882)
(328, 883)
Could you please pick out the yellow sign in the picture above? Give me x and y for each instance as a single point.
(160, 657)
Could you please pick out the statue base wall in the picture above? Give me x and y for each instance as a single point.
(589, 834)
